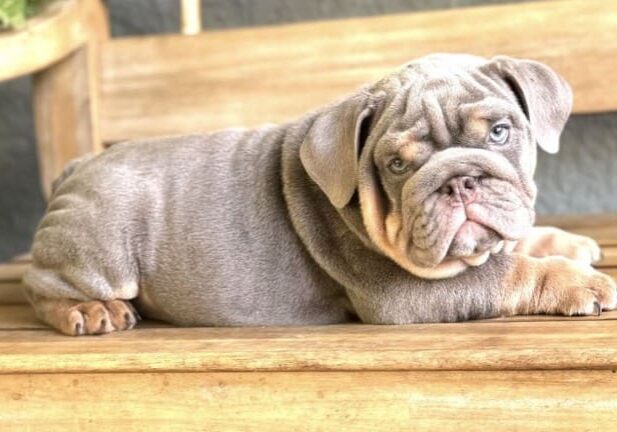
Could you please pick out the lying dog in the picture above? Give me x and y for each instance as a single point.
(409, 201)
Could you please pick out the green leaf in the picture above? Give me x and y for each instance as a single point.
(12, 13)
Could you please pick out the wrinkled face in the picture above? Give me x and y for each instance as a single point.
(448, 180)
(445, 160)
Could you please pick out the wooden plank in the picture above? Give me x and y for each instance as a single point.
(171, 84)
(609, 258)
(13, 271)
(11, 293)
(24, 257)
(190, 17)
(66, 102)
(11, 289)
(314, 401)
(13, 317)
(602, 227)
(65, 121)
(579, 221)
(546, 345)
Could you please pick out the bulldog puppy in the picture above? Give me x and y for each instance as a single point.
(409, 201)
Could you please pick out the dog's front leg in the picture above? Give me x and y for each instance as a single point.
(506, 285)
(550, 241)
(555, 285)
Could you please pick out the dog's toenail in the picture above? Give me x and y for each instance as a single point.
(77, 329)
(597, 309)
(103, 325)
(129, 319)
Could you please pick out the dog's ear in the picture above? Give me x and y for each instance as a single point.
(544, 96)
(331, 147)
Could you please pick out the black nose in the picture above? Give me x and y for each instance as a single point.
(463, 187)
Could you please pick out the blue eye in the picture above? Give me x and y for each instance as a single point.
(397, 166)
(499, 133)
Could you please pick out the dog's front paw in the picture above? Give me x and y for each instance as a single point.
(571, 288)
(99, 317)
(549, 241)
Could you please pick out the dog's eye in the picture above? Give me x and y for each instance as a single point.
(499, 133)
(397, 166)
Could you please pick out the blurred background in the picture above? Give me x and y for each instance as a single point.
(580, 179)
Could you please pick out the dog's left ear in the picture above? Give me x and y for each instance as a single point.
(331, 147)
(544, 96)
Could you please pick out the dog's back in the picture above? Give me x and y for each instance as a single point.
(125, 224)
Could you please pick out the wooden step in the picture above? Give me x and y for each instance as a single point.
(388, 401)
(522, 343)
(531, 374)
(11, 288)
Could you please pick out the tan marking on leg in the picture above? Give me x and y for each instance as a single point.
(57, 313)
(76, 318)
(519, 286)
(556, 285)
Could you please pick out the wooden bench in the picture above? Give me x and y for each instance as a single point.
(523, 373)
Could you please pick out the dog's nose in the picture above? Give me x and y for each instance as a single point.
(464, 187)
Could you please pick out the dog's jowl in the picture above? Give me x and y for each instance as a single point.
(411, 200)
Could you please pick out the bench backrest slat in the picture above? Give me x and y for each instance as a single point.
(173, 84)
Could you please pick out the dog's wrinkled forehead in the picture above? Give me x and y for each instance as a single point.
(437, 95)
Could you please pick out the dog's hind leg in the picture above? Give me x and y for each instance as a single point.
(76, 318)
(80, 303)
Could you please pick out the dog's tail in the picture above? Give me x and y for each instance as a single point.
(69, 169)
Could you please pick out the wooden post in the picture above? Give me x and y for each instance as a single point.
(190, 11)
(66, 101)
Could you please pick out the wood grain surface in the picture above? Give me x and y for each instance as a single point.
(171, 84)
(602, 227)
(489, 345)
(311, 401)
